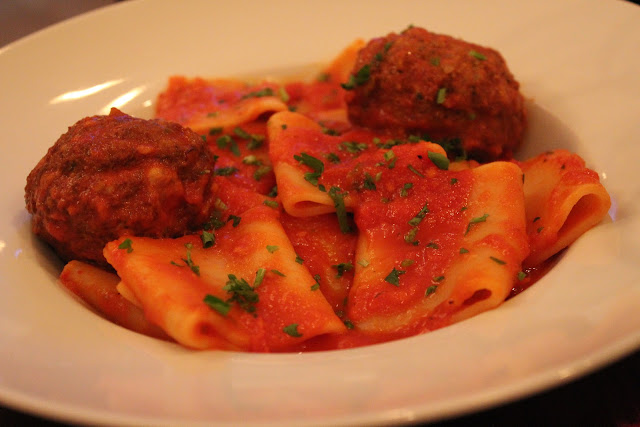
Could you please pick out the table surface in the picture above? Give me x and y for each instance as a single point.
(608, 397)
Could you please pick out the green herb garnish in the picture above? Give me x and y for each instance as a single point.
(292, 330)
(208, 239)
(126, 244)
(394, 277)
(419, 216)
(337, 195)
(440, 160)
(243, 294)
(476, 220)
(216, 304)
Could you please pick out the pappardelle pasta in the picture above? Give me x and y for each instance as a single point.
(325, 230)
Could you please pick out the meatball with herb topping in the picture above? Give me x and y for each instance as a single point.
(116, 175)
(459, 94)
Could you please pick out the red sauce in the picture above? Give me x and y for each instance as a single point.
(243, 157)
(321, 247)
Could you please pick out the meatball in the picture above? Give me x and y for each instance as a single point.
(116, 175)
(440, 88)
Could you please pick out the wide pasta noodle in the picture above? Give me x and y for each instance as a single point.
(99, 289)
(162, 275)
(563, 200)
(462, 260)
(203, 105)
(328, 253)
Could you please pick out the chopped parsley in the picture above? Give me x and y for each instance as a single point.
(410, 237)
(476, 220)
(404, 192)
(416, 171)
(267, 91)
(498, 260)
(363, 75)
(126, 244)
(389, 155)
(260, 172)
(271, 203)
(369, 183)
(220, 205)
(406, 263)
(214, 223)
(292, 330)
(332, 157)
(255, 140)
(394, 277)
(282, 93)
(226, 141)
(441, 96)
(419, 216)
(216, 304)
(352, 146)
(188, 261)
(349, 324)
(337, 195)
(315, 164)
(208, 239)
(223, 141)
(342, 268)
(364, 263)
(440, 160)
(360, 78)
(251, 159)
(316, 285)
(430, 290)
(226, 171)
(259, 277)
(477, 55)
(272, 248)
(235, 220)
(243, 294)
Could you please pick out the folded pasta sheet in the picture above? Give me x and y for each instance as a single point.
(434, 245)
(328, 253)
(563, 200)
(451, 250)
(203, 105)
(302, 152)
(245, 291)
(99, 289)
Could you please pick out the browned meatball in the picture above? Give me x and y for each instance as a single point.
(421, 83)
(116, 175)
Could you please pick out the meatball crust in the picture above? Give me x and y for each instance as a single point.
(421, 83)
(116, 175)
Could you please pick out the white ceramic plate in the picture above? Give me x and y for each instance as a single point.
(577, 60)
